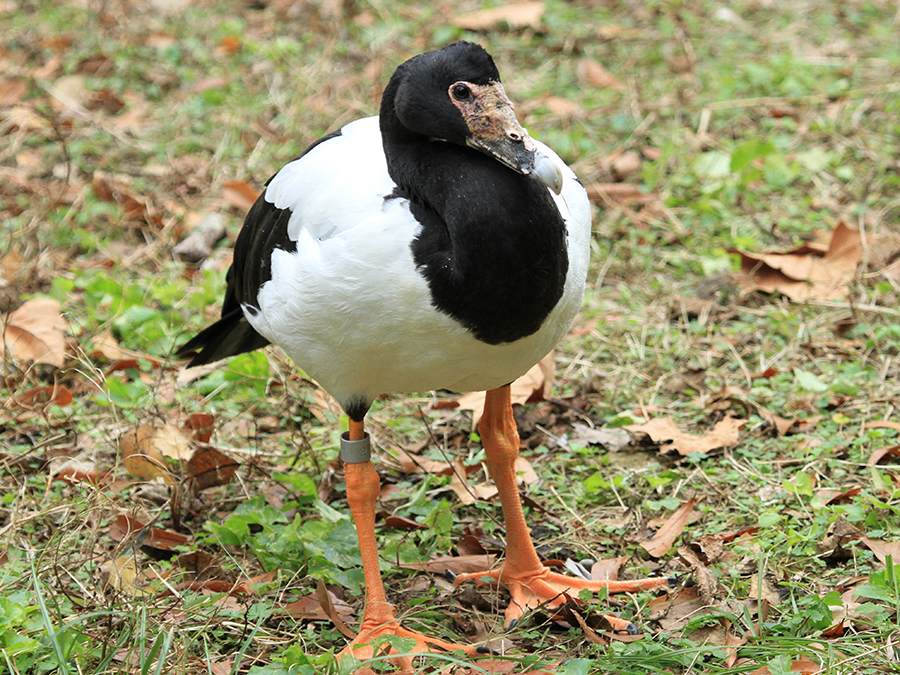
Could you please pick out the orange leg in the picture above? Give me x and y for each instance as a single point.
(529, 583)
(378, 617)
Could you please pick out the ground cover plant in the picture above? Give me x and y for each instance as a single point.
(724, 408)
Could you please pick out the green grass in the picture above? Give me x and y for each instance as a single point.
(758, 124)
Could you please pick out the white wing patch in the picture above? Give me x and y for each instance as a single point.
(336, 185)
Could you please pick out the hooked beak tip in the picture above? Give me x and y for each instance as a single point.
(547, 173)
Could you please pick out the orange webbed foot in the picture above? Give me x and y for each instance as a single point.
(531, 589)
(370, 644)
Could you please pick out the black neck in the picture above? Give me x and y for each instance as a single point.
(492, 245)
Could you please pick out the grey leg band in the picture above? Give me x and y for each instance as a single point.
(355, 452)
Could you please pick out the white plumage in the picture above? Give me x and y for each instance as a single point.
(352, 287)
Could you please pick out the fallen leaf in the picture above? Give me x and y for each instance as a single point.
(121, 574)
(210, 467)
(882, 424)
(662, 430)
(126, 527)
(118, 190)
(619, 193)
(604, 570)
(308, 608)
(883, 549)
(403, 523)
(36, 332)
(12, 90)
(324, 598)
(876, 457)
(781, 425)
(732, 642)
(611, 439)
(239, 194)
(806, 273)
(625, 165)
(706, 582)
(592, 74)
(563, 107)
(172, 442)
(665, 537)
(711, 546)
(44, 396)
(532, 387)
(770, 591)
(458, 484)
(589, 632)
(838, 534)
(831, 496)
(141, 456)
(412, 463)
(201, 425)
(460, 564)
(516, 15)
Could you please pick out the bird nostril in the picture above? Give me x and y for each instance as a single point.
(514, 136)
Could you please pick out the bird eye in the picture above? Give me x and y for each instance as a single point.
(461, 92)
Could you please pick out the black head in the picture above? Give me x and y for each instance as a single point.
(454, 94)
(422, 98)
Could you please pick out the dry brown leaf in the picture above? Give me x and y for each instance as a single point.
(612, 439)
(36, 332)
(592, 74)
(12, 90)
(662, 430)
(172, 442)
(68, 93)
(711, 546)
(308, 608)
(533, 386)
(141, 456)
(324, 598)
(626, 194)
(781, 425)
(22, 118)
(107, 346)
(770, 590)
(239, 194)
(210, 467)
(118, 189)
(882, 424)
(201, 426)
(706, 582)
(121, 574)
(413, 463)
(883, 549)
(124, 526)
(838, 535)
(881, 453)
(806, 273)
(625, 165)
(604, 570)
(516, 15)
(459, 485)
(665, 537)
(732, 642)
(563, 107)
(460, 564)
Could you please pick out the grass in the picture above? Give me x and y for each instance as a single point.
(755, 125)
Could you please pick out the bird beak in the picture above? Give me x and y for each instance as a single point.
(495, 131)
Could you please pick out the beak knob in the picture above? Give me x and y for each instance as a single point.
(547, 172)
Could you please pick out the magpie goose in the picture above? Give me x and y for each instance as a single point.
(436, 246)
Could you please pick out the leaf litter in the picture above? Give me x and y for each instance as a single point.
(825, 269)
